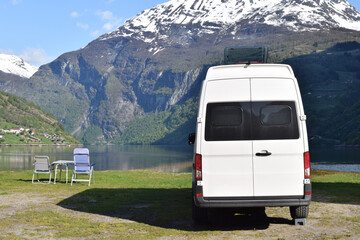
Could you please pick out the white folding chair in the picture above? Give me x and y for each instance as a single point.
(41, 165)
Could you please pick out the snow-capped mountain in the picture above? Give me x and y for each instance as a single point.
(211, 16)
(17, 66)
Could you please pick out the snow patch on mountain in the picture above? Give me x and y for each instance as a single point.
(210, 16)
(17, 66)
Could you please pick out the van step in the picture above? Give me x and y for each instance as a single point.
(300, 221)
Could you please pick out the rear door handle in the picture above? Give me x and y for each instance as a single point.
(263, 153)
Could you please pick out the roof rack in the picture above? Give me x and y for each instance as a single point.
(245, 55)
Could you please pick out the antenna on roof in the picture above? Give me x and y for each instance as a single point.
(245, 55)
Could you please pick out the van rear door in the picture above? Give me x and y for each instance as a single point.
(226, 148)
(278, 143)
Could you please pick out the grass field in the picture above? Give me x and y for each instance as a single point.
(144, 204)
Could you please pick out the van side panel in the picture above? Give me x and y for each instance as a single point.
(227, 165)
(282, 172)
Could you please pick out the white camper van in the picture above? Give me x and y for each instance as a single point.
(251, 147)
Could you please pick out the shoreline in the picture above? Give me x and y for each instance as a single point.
(41, 145)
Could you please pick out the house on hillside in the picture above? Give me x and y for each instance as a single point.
(16, 130)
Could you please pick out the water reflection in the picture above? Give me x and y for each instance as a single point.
(162, 158)
(21, 158)
(337, 167)
(105, 157)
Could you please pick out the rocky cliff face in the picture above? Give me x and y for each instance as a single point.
(154, 60)
(107, 84)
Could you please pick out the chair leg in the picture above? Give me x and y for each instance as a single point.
(90, 179)
(92, 174)
(50, 178)
(73, 177)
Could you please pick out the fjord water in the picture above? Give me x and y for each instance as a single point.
(335, 158)
(105, 157)
(160, 158)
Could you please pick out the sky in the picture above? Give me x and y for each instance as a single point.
(41, 30)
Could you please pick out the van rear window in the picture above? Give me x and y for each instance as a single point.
(275, 115)
(251, 121)
(226, 115)
(224, 121)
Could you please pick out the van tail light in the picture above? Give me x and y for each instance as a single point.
(198, 167)
(307, 164)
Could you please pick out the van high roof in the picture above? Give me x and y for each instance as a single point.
(250, 71)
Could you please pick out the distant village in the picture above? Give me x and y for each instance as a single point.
(29, 135)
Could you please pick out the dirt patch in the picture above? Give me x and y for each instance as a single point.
(326, 221)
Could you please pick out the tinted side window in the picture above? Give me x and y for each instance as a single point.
(227, 121)
(274, 120)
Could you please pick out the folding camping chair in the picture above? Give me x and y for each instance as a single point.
(41, 165)
(82, 166)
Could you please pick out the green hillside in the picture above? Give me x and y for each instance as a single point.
(22, 122)
(165, 127)
(330, 85)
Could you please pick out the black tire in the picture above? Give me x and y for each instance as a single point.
(299, 212)
(199, 215)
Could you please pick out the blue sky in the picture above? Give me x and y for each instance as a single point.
(41, 30)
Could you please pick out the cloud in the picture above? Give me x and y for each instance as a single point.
(95, 33)
(110, 1)
(111, 21)
(74, 14)
(35, 56)
(105, 15)
(16, 2)
(108, 26)
(82, 25)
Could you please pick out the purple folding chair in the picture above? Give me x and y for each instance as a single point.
(82, 166)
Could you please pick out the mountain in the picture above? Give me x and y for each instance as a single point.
(206, 17)
(147, 73)
(14, 65)
(17, 113)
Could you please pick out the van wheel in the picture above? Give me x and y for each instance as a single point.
(199, 215)
(299, 212)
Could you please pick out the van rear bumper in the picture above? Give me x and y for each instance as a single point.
(239, 202)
